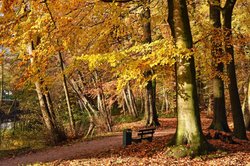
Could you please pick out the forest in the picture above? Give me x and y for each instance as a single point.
(80, 71)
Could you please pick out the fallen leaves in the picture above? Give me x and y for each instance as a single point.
(154, 153)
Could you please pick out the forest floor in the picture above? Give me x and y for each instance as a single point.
(109, 151)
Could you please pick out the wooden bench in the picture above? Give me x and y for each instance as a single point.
(143, 134)
(146, 134)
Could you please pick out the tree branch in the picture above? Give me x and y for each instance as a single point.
(218, 7)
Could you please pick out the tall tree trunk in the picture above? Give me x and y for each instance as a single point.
(99, 115)
(50, 106)
(142, 98)
(126, 103)
(239, 127)
(130, 101)
(92, 112)
(101, 104)
(53, 131)
(166, 103)
(65, 87)
(2, 81)
(150, 104)
(66, 92)
(151, 116)
(189, 126)
(246, 106)
(210, 100)
(219, 119)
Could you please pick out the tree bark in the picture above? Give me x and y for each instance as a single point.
(239, 127)
(130, 101)
(50, 123)
(219, 117)
(66, 92)
(50, 106)
(188, 121)
(99, 115)
(65, 87)
(151, 117)
(101, 104)
(165, 104)
(2, 81)
(246, 106)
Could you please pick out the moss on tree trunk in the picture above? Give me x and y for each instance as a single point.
(188, 139)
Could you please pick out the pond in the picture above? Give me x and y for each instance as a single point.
(7, 125)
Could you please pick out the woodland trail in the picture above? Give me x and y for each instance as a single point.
(73, 151)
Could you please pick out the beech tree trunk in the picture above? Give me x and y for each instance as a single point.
(151, 117)
(65, 87)
(50, 123)
(210, 102)
(130, 101)
(66, 92)
(189, 126)
(101, 104)
(91, 110)
(99, 114)
(2, 81)
(219, 117)
(239, 127)
(165, 107)
(50, 106)
(246, 106)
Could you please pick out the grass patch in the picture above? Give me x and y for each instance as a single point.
(167, 115)
(18, 141)
(126, 119)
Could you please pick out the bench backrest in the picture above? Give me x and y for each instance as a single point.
(148, 129)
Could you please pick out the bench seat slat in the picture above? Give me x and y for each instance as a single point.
(149, 129)
(145, 133)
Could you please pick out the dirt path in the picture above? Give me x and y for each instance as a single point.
(72, 151)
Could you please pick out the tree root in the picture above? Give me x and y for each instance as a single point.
(179, 151)
(223, 136)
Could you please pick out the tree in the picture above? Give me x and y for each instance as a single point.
(97, 109)
(64, 80)
(151, 116)
(239, 127)
(129, 101)
(188, 130)
(246, 105)
(27, 48)
(45, 103)
(219, 118)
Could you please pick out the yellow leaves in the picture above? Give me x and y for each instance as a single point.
(132, 63)
(7, 6)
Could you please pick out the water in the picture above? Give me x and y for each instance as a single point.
(7, 125)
